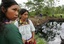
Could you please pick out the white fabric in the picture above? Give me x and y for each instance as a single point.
(16, 23)
(26, 30)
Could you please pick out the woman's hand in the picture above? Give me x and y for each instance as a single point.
(31, 40)
(28, 40)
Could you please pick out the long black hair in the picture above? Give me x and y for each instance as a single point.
(22, 11)
(6, 4)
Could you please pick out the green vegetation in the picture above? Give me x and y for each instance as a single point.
(57, 15)
(39, 40)
(45, 7)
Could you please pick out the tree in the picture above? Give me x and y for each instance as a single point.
(44, 7)
(35, 5)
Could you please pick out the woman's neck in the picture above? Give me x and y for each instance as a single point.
(23, 20)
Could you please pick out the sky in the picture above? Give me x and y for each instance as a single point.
(61, 2)
(21, 1)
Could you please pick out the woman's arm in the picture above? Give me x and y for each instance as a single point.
(13, 36)
(32, 39)
(32, 28)
(33, 34)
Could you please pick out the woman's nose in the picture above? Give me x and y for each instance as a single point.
(16, 13)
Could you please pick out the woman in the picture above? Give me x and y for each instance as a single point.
(26, 27)
(9, 33)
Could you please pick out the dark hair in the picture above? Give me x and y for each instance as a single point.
(22, 11)
(3, 18)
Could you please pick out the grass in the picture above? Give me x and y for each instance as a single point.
(39, 40)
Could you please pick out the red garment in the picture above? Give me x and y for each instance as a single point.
(30, 42)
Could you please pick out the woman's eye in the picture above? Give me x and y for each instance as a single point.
(15, 9)
(26, 14)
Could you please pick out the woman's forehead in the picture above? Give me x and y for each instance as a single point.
(15, 6)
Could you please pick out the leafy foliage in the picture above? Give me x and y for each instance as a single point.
(45, 7)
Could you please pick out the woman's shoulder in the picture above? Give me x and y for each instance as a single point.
(10, 26)
(29, 20)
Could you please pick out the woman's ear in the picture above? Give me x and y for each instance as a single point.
(3, 9)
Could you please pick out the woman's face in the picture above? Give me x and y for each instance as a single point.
(24, 16)
(12, 12)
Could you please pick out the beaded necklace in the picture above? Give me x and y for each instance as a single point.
(23, 23)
